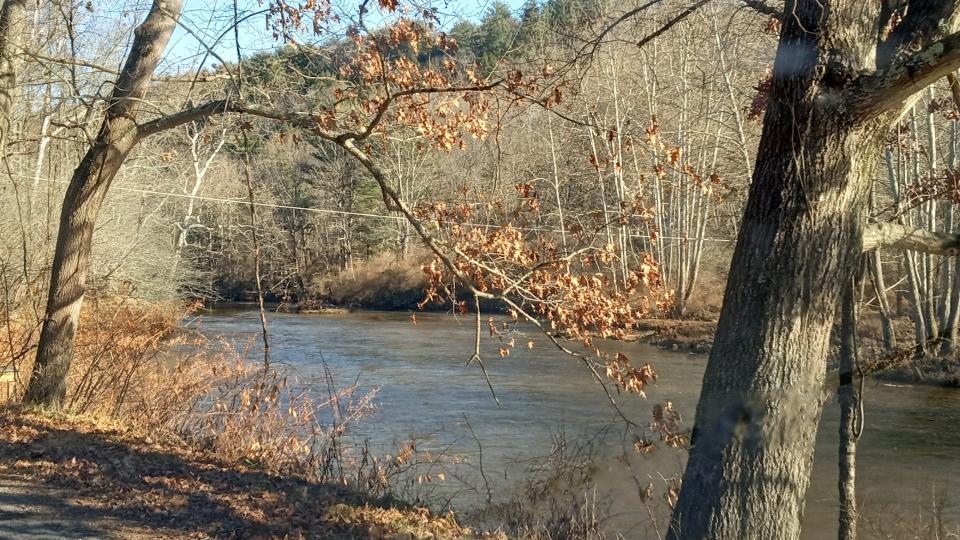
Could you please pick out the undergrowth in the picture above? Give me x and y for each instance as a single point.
(135, 364)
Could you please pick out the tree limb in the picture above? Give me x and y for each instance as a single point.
(763, 7)
(894, 235)
(221, 106)
(297, 119)
(954, 89)
(886, 89)
(669, 24)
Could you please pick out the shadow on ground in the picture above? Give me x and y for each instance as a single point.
(58, 480)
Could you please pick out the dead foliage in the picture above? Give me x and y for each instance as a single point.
(172, 490)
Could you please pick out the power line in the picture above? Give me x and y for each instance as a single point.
(327, 211)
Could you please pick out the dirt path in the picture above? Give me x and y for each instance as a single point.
(31, 511)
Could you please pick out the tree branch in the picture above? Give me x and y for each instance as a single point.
(954, 89)
(894, 235)
(763, 7)
(301, 120)
(669, 24)
(886, 89)
(221, 106)
(388, 101)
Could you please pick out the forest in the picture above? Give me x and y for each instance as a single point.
(206, 204)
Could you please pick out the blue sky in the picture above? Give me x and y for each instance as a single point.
(208, 20)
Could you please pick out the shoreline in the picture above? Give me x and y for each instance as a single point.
(693, 336)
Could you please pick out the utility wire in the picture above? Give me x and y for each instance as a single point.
(242, 202)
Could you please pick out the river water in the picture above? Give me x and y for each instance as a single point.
(907, 461)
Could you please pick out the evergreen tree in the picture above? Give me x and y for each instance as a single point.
(497, 35)
(532, 27)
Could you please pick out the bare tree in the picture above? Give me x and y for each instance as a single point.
(11, 29)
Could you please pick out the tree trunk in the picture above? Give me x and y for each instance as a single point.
(850, 419)
(799, 243)
(875, 263)
(953, 324)
(11, 28)
(88, 187)
(916, 303)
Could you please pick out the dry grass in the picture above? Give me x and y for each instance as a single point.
(379, 283)
(110, 475)
(182, 415)
(136, 366)
(134, 363)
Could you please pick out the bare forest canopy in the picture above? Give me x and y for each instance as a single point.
(326, 234)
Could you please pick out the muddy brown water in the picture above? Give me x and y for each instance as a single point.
(908, 468)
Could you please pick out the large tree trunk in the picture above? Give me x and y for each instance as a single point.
(85, 194)
(799, 243)
(844, 73)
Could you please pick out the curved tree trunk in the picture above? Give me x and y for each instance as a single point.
(88, 187)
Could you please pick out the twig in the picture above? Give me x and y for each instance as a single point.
(250, 198)
(483, 475)
(476, 352)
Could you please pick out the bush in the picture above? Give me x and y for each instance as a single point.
(379, 283)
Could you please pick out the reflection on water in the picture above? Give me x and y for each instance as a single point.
(907, 457)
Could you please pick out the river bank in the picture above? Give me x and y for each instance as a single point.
(73, 477)
(939, 369)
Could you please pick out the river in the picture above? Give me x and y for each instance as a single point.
(907, 461)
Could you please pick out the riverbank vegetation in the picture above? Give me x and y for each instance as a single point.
(672, 171)
(114, 479)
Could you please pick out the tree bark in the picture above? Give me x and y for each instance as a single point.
(799, 243)
(85, 194)
(850, 414)
(11, 28)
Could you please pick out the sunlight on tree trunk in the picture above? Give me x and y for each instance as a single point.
(851, 411)
(81, 205)
(798, 247)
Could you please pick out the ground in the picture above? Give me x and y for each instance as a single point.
(676, 334)
(64, 477)
(902, 366)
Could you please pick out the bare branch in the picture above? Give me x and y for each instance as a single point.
(183, 117)
(599, 39)
(889, 88)
(669, 24)
(221, 106)
(894, 235)
(763, 7)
